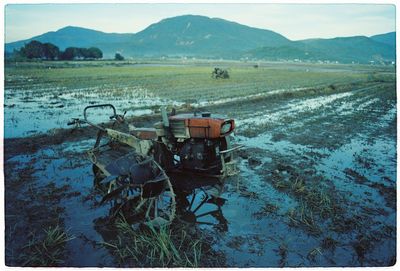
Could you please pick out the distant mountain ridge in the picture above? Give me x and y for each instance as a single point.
(74, 36)
(200, 36)
(388, 38)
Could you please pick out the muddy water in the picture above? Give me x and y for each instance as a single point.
(342, 145)
(361, 171)
(55, 109)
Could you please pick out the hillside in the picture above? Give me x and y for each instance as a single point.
(200, 36)
(188, 35)
(77, 37)
(349, 49)
(357, 49)
(388, 38)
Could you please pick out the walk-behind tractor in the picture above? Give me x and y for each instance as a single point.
(133, 169)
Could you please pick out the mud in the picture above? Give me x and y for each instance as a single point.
(317, 184)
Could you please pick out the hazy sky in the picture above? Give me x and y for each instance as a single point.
(293, 21)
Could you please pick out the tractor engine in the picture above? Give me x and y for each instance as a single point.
(196, 140)
(200, 155)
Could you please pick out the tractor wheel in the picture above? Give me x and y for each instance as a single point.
(202, 207)
(152, 204)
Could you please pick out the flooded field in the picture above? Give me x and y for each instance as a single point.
(317, 180)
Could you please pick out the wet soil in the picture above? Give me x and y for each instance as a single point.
(317, 184)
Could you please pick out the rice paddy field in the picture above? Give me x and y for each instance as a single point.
(317, 180)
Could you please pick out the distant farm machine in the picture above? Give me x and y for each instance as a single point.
(133, 168)
(220, 73)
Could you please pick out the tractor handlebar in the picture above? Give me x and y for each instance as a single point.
(77, 122)
(99, 106)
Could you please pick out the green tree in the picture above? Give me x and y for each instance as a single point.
(95, 53)
(33, 49)
(83, 53)
(70, 53)
(118, 56)
(51, 51)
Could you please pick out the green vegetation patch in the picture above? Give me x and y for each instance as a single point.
(166, 246)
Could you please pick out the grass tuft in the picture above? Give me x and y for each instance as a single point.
(48, 250)
(154, 247)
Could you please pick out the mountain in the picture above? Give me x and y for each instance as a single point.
(200, 36)
(347, 50)
(292, 51)
(182, 35)
(388, 38)
(72, 36)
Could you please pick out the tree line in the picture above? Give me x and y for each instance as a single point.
(49, 51)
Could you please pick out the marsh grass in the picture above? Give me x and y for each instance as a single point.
(154, 247)
(176, 82)
(312, 255)
(47, 250)
(267, 209)
(304, 218)
(318, 204)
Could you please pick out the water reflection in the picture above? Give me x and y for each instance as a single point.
(198, 203)
(198, 212)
